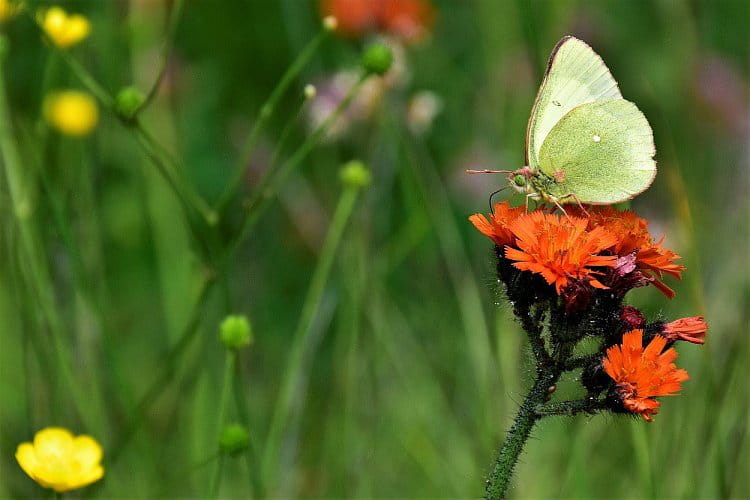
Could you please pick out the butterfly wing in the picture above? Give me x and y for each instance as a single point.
(575, 75)
(602, 152)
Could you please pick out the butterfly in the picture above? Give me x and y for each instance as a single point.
(584, 142)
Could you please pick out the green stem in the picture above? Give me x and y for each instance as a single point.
(497, 484)
(182, 189)
(168, 371)
(293, 379)
(226, 384)
(266, 111)
(174, 17)
(262, 197)
(168, 168)
(38, 274)
(251, 454)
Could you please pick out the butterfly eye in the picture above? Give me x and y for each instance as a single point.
(519, 180)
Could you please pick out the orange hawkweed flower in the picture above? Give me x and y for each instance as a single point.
(691, 329)
(406, 19)
(632, 235)
(497, 225)
(642, 374)
(561, 249)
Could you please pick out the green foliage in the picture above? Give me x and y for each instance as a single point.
(112, 286)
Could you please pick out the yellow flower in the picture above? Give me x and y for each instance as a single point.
(71, 112)
(60, 461)
(65, 30)
(7, 10)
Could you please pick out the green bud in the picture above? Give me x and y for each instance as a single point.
(235, 332)
(234, 439)
(355, 174)
(128, 101)
(377, 59)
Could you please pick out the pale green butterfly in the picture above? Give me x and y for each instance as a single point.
(584, 142)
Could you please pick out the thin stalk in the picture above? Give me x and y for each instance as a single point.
(226, 384)
(497, 484)
(168, 167)
(261, 198)
(20, 195)
(168, 371)
(301, 340)
(251, 454)
(174, 18)
(266, 111)
(182, 189)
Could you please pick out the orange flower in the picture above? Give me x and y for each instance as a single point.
(497, 226)
(632, 235)
(641, 374)
(406, 19)
(354, 17)
(561, 249)
(691, 329)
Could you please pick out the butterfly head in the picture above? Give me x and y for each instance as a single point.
(519, 179)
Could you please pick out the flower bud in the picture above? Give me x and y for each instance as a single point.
(310, 91)
(355, 174)
(691, 329)
(632, 317)
(377, 59)
(234, 439)
(235, 332)
(330, 23)
(128, 101)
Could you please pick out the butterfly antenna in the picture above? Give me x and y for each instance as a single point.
(494, 193)
(486, 171)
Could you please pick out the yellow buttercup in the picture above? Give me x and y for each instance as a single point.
(64, 29)
(58, 460)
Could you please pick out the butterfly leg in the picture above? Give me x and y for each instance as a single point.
(555, 201)
(580, 205)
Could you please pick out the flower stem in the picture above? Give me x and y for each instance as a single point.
(261, 197)
(266, 111)
(569, 408)
(226, 384)
(173, 21)
(497, 484)
(294, 376)
(162, 161)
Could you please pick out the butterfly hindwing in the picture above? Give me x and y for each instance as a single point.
(602, 152)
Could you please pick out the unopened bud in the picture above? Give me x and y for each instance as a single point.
(234, 439)
(235, 332)
(310, 91)
(355, 174)
(377, 59)
(128, 101)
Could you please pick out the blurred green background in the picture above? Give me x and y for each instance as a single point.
(414, 366)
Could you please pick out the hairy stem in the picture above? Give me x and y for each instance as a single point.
(569, 408)
(515, 440)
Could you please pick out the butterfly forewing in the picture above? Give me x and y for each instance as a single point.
(601, 152)
(575, 75)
